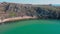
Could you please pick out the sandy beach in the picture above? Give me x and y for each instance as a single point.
(17, 18)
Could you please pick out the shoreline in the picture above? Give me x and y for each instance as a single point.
(17, 18)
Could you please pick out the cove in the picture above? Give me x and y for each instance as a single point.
(31, 27)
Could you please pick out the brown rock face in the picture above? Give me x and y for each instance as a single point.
(41, 11)
(15, 10)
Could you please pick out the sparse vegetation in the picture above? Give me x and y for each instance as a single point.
(41, 11)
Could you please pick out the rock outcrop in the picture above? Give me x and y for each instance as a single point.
(8, 10)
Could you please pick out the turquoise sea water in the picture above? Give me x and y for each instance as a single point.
(31, 27)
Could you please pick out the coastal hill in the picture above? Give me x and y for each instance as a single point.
(9, 10)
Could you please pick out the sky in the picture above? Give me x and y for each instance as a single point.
(33, 1)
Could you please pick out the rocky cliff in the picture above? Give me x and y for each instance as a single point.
(8, 10)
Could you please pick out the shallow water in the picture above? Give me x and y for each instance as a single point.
(31, 27)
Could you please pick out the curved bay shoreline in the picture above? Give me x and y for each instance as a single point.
(17, 18)
(21, 19)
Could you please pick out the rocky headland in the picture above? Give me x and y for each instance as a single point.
(16, 11)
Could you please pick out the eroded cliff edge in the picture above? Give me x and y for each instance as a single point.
(10, 10)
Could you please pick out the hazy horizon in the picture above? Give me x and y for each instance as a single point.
(33, 1)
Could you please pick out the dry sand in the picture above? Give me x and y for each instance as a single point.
(17, 18)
